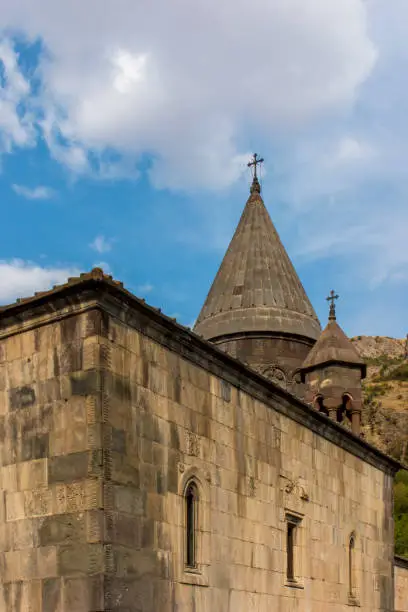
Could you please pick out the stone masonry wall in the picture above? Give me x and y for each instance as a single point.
(101, 430)
(255, 469)
(401, 586)
(275, 357)
(51, 496)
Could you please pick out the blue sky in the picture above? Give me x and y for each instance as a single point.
(125, 132)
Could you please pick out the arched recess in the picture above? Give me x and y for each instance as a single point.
(345, 409)
(318, 404)
(194, 523)
(295, 383)
(352, 567)
(191, 510)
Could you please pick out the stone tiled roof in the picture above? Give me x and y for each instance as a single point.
(333, 346)
(96, 274)
(152, 322)
(256, 288)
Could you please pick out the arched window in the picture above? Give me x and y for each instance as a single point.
(346, 407)
(191, 510)
(319, 405)
(351, 563)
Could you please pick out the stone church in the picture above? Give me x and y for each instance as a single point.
(146, 467)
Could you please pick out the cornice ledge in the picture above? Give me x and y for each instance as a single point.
(94, 290)
(401, 562)
(203, 353)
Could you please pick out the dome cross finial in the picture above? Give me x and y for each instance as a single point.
(254, 163)
(332, 297)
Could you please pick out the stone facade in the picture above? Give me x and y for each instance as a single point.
(108, 410)
(401, 585)
(278, 358)
(51, 518)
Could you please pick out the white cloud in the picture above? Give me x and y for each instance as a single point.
(16, 120)
(101, 244)
(144, 289)
(34, 193)
(182, 81)
(20, 278)
(351, 150)
(130, 70)
(359, 229)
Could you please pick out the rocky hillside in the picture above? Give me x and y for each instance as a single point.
(385, 393)
(385, 415)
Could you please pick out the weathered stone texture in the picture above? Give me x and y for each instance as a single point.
(51, 525)
(171, 420)
(275, 357)
(102, 427)
(401, 585)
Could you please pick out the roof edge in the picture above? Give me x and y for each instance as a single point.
(259, 334)
(168, 332)
(360, 366)
(401, 562)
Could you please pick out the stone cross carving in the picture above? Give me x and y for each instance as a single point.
(332, 297)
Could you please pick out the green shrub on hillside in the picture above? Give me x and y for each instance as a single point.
(383, 360)
(400, 373)
(377, 390)
(401, 513)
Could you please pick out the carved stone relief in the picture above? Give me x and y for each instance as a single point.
(192, 444)
(275, 374)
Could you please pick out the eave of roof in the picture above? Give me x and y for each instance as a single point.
(110, 296)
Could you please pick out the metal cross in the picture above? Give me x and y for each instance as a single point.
(332, 297)
(255, 161)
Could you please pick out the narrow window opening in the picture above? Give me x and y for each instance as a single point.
(352, 586)
(319, 404)
(191, 501)
(290, 546)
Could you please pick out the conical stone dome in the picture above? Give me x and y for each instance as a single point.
(333, 346)
(256, 287)
(257, 295)
(333, 371)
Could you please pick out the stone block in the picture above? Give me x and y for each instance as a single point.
(52, 595)
(22, 397)
(123, 472)
(34, 446)
(124, 529)
(91, 350)
(72, 439)
(62, 529)
(136, 563)
(14, 347)
(15, 506)
(68, 468)
(80, 559)
(32, 474)
(22, 534)
(85, 383)
(83, 594)
(129, 500)
(38, 502)
(9, 477)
